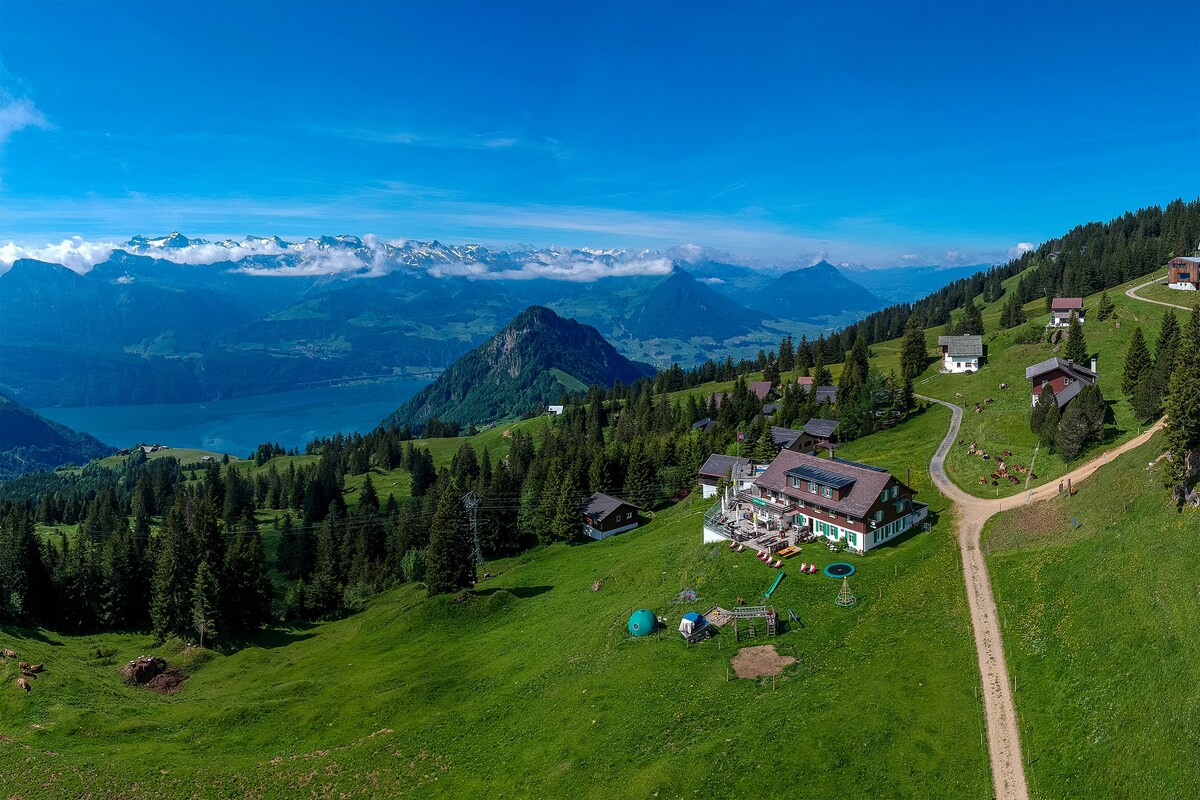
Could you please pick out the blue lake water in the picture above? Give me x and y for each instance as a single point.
(238, 426)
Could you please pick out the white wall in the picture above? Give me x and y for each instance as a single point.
(588, 530)
(960, 364)
(707, 491)
(1187, 287)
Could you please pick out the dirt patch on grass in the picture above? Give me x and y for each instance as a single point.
(759, 662)
(169, 682)
(1028, 526)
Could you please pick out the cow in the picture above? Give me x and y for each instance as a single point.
(9, 653)
(37, 668)
(24, 684)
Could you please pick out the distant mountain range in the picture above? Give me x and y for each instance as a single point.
(29, 442)
(175, 319)
(531, 362)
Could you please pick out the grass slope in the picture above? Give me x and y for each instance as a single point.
(1004, 424)
(1099, 627)
(532, 688)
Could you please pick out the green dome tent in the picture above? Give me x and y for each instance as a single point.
(642, 622)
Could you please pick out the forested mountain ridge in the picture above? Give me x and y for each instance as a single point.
(29, 442)
(530, 362)
(1084, 261)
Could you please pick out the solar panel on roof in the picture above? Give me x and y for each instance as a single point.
(821, 476)
(857, 464)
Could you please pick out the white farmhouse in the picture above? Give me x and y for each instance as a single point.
(961, 353)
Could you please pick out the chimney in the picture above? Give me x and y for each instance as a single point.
(1093, 363)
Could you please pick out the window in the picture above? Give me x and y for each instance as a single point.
(833, 515)
(812, 487)
(879, 515)
(629, 515)
(852, 538)
(826, 491)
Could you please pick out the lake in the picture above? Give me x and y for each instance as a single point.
(238, 426)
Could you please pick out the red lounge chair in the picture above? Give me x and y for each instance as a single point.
(803, 567)
(732, 545)
(812, 568)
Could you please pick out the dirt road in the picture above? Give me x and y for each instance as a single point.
(1004, 738)
(1133, 293)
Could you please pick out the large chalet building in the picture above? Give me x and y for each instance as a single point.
(1064, 376)
(859, 505)
(1184, 273)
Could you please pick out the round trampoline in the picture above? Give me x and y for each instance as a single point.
(839, 569)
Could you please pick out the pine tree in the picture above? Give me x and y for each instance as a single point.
(1137, 362)
(854, 373)
(1048, 432)
(821, 375)
(1183, 411)
(787, 354)
(1166, 351)
(914, 354)
(174, 573)
(204, 602)
(972, 320)
(1038, 415)
(288, 559)
(1071, 436)
(368, 497)
(1106, 307)
(1076, 349)
(448, 561)
(1146, 399)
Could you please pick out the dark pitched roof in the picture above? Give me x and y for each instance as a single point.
(1070, 367)
(784, 437)
(962, 345)
(804, 380)
(760, 389)
(770, 408)
(703, 425)
(821, 428)
(1066, 303)
(826, 394)
(1068, 394)
(600, 505)
(718, 466)
(867, 484)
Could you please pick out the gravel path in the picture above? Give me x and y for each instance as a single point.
(1133, 293)
(1004, 738)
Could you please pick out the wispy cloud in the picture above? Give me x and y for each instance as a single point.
(400, 136)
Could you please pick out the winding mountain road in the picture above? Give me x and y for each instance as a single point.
(1004, 737)
(1132, 293)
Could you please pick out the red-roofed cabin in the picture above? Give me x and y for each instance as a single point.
(1061, 309)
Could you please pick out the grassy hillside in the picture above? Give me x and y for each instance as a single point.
(1160, 291)
(1099, 627)
(531, 688)
(1004, 423)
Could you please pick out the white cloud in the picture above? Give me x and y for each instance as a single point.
(74, 254)
(18, 114)
(1020, 249)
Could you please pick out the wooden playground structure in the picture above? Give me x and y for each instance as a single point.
(745, 616)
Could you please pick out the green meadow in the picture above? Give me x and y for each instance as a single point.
(1099, 607)
(531, 685)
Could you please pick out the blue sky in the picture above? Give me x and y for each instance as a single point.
(875, 134)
